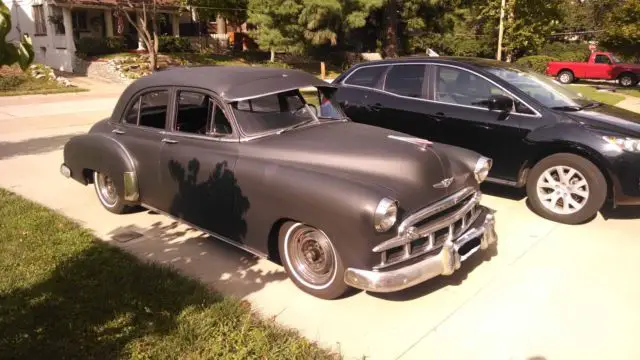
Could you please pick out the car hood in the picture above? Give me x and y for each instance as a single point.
(368, 155)
(609, 119)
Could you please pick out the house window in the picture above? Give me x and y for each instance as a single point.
(56, 19)
(38, 18)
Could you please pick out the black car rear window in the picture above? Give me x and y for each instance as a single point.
(367, 76)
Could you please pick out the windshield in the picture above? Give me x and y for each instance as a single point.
(282, 111)
(546, 90)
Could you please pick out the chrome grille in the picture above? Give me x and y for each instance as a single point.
(428, 228)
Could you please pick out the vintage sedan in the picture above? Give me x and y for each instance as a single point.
(240, 154)
(569, 152)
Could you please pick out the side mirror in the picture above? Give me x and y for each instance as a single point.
(500, 102)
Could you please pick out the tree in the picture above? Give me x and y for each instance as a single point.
(622, 29)
(148, 9)
(293, 25)
(10, 53)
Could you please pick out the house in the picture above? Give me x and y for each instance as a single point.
(55, 26)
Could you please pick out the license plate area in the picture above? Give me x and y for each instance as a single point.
(469, 248)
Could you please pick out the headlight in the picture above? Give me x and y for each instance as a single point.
(627, 144)
(482, 168)
(386, 214)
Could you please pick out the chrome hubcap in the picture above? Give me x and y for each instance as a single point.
(311, 256)
(106, 189)
(563, 190)
(564, 78)
(626, 81)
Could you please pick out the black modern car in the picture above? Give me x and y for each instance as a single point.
(239, 154)
(571, 153)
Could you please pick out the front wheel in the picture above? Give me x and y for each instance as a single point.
(566, 188)
(108, 193)
(311, 261)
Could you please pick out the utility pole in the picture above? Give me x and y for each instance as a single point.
(501, 31)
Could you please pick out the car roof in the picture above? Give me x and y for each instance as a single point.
(468, 62)
(232, 83)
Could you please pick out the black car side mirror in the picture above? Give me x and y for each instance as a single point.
(500, 102)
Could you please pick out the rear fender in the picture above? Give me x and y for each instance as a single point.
(91, 152)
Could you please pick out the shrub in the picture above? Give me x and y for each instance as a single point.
(11, 81)
(566, 51)
(537, 63)
(172, 44)
(91, 46)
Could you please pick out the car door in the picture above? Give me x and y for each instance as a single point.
(601, 67)
(458, 105)
(360, 97)
(197, 166)
(404, 105)
(141, 132)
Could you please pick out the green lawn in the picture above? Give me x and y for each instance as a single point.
(64, 294)
(600, 96)
(632, 92)
(32, 86)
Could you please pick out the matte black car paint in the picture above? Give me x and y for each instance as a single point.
(514, 141)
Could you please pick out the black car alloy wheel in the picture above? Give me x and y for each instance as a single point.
(566, 188)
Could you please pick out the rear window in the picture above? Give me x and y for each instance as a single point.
(367, 77)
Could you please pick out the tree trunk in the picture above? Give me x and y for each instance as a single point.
(273, 55)
(391, 29)
(153, 59)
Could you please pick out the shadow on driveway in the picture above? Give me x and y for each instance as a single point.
(33, 146)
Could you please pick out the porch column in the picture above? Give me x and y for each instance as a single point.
(141, 24)
(68, 30)
(221, 25)
(175, 23)
(108, 21)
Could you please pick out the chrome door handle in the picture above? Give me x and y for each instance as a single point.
(118, 131)
(169, 141)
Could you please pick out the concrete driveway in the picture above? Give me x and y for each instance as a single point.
(552, 292)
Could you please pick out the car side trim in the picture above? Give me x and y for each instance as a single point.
(211, 233)
(536, 115)
(501, 181)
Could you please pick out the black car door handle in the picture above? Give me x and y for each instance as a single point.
(118, 131)
(169, 141)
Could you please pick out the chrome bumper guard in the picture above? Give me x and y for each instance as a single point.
(65, 171)
(445, 262)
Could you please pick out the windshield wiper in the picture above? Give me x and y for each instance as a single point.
(306, 122)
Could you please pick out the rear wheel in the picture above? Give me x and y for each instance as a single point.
(566, 188)
(311, 261)
(566, 77)
(108, 193)
(627, 80)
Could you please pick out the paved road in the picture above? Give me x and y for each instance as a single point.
(552, 292)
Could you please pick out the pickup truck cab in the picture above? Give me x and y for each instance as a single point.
(600, 65)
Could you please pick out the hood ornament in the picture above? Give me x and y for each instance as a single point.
(444, 183)
(421, 143)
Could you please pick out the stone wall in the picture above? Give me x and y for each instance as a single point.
(101, 70)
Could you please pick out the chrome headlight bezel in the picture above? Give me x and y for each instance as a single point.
(385, 215)
(481, 170)
(624, 143)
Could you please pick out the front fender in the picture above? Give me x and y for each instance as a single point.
(90, 152)
(341, 207)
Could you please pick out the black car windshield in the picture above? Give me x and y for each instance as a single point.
(280, 112)
(542, 88)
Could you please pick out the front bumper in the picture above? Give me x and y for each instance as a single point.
(445, 262)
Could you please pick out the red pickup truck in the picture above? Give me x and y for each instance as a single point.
(600, 65)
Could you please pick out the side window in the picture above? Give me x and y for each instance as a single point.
(405, 80)
(132, 115)
(602, 59)
(153, 109)
(194, 112)
(367, 77)
(457, 86)
(221, 125)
